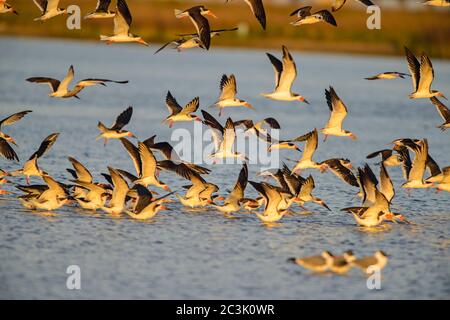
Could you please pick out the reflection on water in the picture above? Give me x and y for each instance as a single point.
(191, 253)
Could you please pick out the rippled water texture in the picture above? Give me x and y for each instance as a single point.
(190, 254)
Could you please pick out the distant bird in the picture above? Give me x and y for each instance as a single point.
(377, 261)
(304, 16)
(257, 8)
(389, 75)
(5, 149)
(60, 89)
(342, 264)
(117, 203)
(101, 11)
(444, 184)
(228, 93)
(179, 114)
(146, 207)
(338, 4)
(189, 41)
(443, 111)
(115, 131)
(321, 263)
(342, 169)
(196, 14)
(273, 197)
(285, 74)
(122, 23)
(30, 167)
(233, 200)
(5, 8)
(437, 3)
(415, 177)
(223, 137)
(306, 162)
(49, 9)
(145, 164)
(422, 75)
(337, 116)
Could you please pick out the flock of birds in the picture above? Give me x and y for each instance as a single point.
(125, 192)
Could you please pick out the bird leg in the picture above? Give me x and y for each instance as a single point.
(28, 180)
(105, 141)
(325, 139)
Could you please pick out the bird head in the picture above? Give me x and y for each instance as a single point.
(302, 99)
(207, 12)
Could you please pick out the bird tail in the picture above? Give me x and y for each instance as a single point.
(178, 13)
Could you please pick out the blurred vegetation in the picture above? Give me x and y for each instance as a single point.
(427, 30)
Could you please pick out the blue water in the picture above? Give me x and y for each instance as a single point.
(189, 254)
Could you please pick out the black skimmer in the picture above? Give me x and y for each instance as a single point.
(122, 23)
(223, 137)
(389, 76)
(30, 167)
(338, 4)
(437, 3)
(415, 177)
(169, 153)
(196, 14)
(116, 131)
(117, 203)
(443, 111)
(422, 75)
(228, 93)
(179, 114)
(306, 162)
(60, 89)
(5, 8)
(252, 204)
(338, 114)
(145, 164)
(386, 185)
(321, 263)
(342, 169)
(258, 127)
(49, 9)
(378, 261)
(52, 198)
(388, 157)
(257, 7)
(5, 149)
(285, 74)
(94, 197)
(189, 41)
(273, 198)
(368, 183)
(373, 215)
(232, 202)
(304, 16)
(146, 207)
(444, 183)
(101, 11)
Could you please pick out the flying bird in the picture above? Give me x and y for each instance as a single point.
(273, 197)
(337, 116)
(228, 93)
(257, 7)
(285, 74)
(437, 3)
(101, 11)
(60, 89)
(422, 74)
(232, 202)
(306, 162)
(389, 75)
(196, 15)
(146, 207)
(49, 9)
(189, 41)
(122, 23)
(338, 4)
(5, 8)
(178, 113)
(304, 16)
(443, 111)
(116, 130)
(5, 148)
